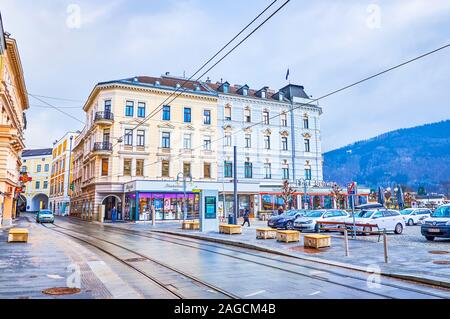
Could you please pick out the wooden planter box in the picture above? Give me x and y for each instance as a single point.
(187, 224)
(266, 233)
(18, 235)
(317, 241)
(195, 225)
(288, 236)
(230, 229)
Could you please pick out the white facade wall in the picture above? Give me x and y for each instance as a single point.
(257, 154)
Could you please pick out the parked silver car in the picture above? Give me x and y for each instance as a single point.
(309, 222)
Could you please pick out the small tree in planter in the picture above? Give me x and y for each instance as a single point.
(287, 194)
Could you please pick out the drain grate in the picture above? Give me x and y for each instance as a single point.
(135, 260)
(61, 291)
(441, 262)
(439, 252)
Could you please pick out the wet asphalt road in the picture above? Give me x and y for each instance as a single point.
(238, 272)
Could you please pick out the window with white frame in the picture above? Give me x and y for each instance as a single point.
(284, 120)
(128, 137)
(227, 113)
(187, 141)
(207, 143)
(266, 118)
(227, 139)
(267, 142)
(140, 138)
(268, 171)
(284, 143)
(248, 141)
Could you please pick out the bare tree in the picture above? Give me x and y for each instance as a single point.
(287, 194)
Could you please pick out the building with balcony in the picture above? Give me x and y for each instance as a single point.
(13, 104)
(136, 131)
(36, 163)
(61, 174)
(277, 135)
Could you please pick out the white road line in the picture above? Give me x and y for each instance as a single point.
(315, 293)
(256, 293)
(55, 277)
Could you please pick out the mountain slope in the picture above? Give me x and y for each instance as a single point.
(414, 156)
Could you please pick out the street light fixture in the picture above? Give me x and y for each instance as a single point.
(181, 177)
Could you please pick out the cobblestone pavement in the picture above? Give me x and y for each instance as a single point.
(409, 253)
(50, 260)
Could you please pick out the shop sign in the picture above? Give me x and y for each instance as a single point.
(130, 187)
(314, 183)
(197, 191)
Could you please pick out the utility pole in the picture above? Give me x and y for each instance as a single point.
(235, 194)
(181, 176)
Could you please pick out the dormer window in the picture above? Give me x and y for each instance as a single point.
(226, 88)
(280, 96)
(263, 94)
(244, 91)
(157, 83)
(178, 85)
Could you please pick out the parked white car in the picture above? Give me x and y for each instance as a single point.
(415, 216)
(389, 220)
(309, 222)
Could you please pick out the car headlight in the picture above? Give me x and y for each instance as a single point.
(309, 222)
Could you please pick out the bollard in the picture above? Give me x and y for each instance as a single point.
(386, 258)
(347, 252)
(153, 216)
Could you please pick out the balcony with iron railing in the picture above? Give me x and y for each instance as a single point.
(104, 118)
(102, 148)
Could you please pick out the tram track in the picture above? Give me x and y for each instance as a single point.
(215, 292)
(182, 242)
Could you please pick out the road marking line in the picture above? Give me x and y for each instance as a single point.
(55, 277)
(256, 293)
(315, 293)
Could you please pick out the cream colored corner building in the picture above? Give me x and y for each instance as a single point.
(110, 157)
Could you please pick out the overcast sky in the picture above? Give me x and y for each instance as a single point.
(326, 45)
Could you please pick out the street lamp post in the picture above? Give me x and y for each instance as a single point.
(69, 193)
(182, 177)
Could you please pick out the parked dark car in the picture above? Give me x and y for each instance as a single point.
(286, 220)
(438, 225)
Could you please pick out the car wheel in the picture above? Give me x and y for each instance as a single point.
(399, 229)
(429, 238)
(410, 222)
(289, 225)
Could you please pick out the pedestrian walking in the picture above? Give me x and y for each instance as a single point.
(246, 217)
(280, 210)
(114, 214)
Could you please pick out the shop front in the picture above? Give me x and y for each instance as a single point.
(168, 206)
(167, 199)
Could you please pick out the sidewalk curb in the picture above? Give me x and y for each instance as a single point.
(423, 280)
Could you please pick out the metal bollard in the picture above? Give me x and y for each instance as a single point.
(385, 243)
(347, 252)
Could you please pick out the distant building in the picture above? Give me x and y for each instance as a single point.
(37, 163)
(61, 174)
(13, 104)
(431, 200)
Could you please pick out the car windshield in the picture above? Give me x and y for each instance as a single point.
(315, 214)
(46, 212)
(364, 214)
(290, 213)
(406, 212)
(443, 211)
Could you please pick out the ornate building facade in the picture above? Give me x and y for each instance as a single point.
(13, 104)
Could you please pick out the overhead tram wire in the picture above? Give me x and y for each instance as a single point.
(56, 108)
(320, 98)
(182, 87)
